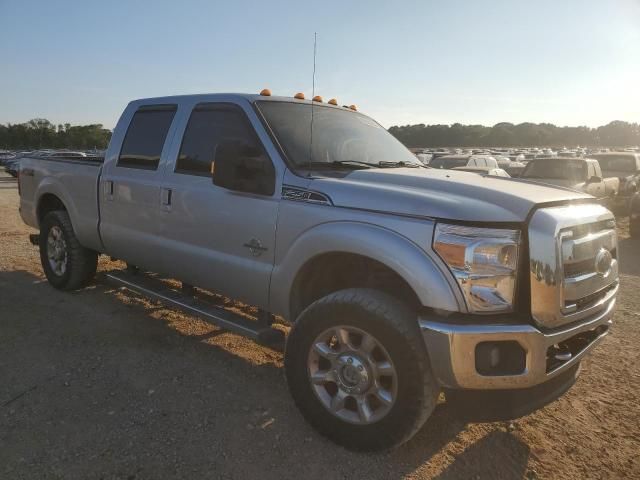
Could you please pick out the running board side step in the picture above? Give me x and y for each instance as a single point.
(258, 330)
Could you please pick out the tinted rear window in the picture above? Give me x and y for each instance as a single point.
(620, 163)
(145, 137)
(556, 169)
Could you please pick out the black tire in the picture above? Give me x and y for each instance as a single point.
(395, 326)
(81, 263)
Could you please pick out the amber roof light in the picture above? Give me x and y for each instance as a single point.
(317, 98)
(299, 96)
(353, 107)
(333, 101)
(265, 92)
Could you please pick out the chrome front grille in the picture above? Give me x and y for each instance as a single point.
(573, 253)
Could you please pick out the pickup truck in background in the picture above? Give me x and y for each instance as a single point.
(582, 174)
(625, 166)
(454, 161)
(399, 281)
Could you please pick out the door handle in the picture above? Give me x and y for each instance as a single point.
(108, 189)
(165, 197)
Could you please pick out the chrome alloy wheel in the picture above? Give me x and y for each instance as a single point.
(352, 374)
(57, 251)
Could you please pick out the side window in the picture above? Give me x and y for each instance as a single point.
(209, 125)
(591, 172)
(145, 137)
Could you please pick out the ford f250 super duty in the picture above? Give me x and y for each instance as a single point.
(399, 281)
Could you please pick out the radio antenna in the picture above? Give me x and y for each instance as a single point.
(313, 91)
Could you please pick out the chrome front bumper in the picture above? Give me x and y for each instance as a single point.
(452, 349)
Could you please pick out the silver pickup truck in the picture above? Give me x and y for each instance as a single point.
(399, 281)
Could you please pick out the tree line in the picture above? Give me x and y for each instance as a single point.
(614, 134)
(41, 133)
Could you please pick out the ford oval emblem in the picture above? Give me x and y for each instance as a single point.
(603, 262)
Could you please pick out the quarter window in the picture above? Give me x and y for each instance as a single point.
(145, 137)
(209, 125)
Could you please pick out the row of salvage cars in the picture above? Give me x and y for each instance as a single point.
(612, 176)
(10, 160)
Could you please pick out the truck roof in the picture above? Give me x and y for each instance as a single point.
(228, 97)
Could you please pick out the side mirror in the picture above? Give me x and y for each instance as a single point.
(594, 179)
(243, 168)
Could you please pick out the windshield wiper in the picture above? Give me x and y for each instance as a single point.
(338, 163)
(361, 164)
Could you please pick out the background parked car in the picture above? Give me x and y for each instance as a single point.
(626, 167)
(492, 172)
(453, 161)
(583, 174)
(12, 166)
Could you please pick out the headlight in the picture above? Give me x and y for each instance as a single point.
(484, 262)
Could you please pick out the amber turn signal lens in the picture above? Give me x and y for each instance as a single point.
(333, 101)
(299, 96)
(317, 98)
(265, 92)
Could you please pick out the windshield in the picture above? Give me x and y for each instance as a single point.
(338, 136)
(617, 163)
(444, 162)
(556, 169)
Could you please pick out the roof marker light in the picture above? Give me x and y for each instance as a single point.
(333, 101)
(299, 96)
(265, 92)
(317, 98)
(353, 107)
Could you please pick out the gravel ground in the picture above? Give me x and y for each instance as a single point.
(101, 383)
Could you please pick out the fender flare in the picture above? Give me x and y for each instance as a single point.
(430, 283)
(51, 186)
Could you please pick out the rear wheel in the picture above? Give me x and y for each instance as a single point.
(358, 369)
(66, 264)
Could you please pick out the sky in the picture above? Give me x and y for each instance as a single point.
(567, 62)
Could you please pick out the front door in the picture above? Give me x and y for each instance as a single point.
(215, 238)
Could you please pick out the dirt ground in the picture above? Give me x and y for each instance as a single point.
(101, 383)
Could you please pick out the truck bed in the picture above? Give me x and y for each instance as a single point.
(74, 180)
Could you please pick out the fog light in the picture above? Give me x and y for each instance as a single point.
(500, 358)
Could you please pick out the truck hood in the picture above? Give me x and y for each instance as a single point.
(438, 193)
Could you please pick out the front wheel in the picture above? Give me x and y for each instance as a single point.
(358, 370)
(66, 263)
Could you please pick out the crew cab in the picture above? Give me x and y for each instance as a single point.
(399, 281)
(576, 173)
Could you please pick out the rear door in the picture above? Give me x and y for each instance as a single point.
(213, 237)
(130, 190)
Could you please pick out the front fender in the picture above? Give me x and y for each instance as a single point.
(400, 254)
